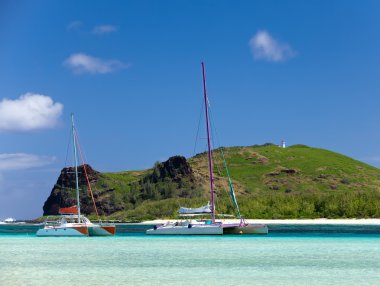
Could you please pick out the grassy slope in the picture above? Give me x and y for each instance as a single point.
(316, 170)
(270, 182)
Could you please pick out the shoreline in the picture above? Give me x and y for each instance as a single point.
(319, 221)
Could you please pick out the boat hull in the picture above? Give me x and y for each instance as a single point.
(206, 229)
(246, 229)
(102, 230)
(185, 230)
(63, 231)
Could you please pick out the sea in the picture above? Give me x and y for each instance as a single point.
(288, 255)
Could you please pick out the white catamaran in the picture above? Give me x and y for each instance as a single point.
(72, 222)
(208, 227)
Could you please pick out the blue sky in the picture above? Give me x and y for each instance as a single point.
(303, 71)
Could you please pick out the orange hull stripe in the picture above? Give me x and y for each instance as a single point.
(82, 229)
(110, 229)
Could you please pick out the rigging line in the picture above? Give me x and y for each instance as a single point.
(214, 142)
(68, 188)
(199, 124)
(85, 160)
(226, 168)
(221, 173)
(217, 164)
(85, 172)
(230, 182)
(78, 138)
(232, 191)
(65, 166)
(68, 146)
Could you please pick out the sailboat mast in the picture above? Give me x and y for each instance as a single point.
(209, 146)
(76, 164)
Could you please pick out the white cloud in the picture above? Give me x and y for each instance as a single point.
(21, 161)
(82, 63)
(265, 47)
(104, 29)
(30, 111)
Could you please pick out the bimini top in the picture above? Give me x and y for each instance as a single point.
(68, 210)
(202, 210)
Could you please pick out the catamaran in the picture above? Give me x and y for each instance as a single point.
(72, 222)
(208, 227)
(8, 220)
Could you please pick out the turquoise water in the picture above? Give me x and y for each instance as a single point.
(277, 259)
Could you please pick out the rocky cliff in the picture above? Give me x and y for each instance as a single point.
(113, 193)
(63, 192)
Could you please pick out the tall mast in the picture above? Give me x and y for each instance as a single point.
(209, 146)
(76, 164)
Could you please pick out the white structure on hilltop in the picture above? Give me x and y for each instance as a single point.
(283, 144)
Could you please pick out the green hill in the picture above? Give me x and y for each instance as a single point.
(270, 182)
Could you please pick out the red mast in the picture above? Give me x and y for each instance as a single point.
(209, 146)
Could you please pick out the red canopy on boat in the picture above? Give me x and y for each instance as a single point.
(68, 210)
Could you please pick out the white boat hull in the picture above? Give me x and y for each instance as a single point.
(206, 229)
(63, 231)
(245, 229)
(186, 230)
(66, 227)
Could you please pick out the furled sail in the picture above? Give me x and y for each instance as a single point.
(200, 210)
(232, 193)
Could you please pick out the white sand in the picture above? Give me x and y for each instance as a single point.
(321, 221)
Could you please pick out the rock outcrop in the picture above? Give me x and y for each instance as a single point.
(63, 193)
(172, 178)
(176, 168)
